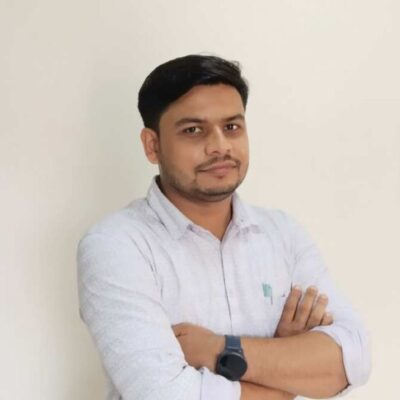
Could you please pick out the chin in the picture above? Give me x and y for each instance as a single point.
(222, 189)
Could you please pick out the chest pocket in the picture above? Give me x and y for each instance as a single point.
(275, 288)
(275, 294)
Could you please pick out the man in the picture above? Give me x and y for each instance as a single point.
(191, 294)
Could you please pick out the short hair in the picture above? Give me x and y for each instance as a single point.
(171, 80)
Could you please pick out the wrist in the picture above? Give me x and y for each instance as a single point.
(254, 348)
(231, 362)
(217, 348)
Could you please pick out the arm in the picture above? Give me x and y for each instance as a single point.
(299, 315)
(250, 391)
(347, 330)
(280, 362)
(308, 364)
(119, 300)
(339, 353)
(201, 346)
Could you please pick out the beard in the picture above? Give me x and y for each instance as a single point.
(190, 189)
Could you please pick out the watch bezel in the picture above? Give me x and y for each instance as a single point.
(228, 372)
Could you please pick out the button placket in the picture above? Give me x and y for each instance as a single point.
(227, 266)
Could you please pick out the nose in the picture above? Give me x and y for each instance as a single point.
(217, 142)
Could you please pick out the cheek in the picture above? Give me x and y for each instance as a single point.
(242, 151)
(188, 155)
(182, 157)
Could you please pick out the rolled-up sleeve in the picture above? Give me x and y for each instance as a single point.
(347, 330)
(119, 300)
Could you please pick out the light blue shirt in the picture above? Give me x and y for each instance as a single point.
(147, 267)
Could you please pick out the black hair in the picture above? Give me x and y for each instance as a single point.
(171, 80)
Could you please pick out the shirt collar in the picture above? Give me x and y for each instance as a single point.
(177, 223)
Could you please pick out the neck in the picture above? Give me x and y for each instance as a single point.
(211, 215)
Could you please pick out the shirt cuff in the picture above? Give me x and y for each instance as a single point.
(217, 387)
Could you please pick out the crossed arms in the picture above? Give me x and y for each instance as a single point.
(145, 359)
(296, 361)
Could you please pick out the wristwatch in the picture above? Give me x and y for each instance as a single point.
(231, 363)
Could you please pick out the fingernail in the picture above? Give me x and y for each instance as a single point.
(296, 287)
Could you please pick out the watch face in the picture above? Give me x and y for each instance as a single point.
(232, 366)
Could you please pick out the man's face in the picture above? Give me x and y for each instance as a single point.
(203, 149)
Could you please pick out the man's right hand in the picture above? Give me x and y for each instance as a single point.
(298, 316)
(301, 316)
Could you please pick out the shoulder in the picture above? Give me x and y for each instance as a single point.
(122, 229)
(129, 221)
(119, 243)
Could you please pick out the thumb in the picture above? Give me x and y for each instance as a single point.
(178, 329)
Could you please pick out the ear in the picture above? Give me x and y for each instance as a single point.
(151, 144)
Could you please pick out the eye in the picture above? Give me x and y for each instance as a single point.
(232, 127)
(192, 130)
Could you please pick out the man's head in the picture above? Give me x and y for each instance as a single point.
(171, 80)
(193, 110)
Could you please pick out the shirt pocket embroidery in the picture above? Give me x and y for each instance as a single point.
(275, 303)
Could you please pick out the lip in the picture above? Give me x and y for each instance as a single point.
(220, 166)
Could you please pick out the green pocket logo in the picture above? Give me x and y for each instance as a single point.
(267, 290)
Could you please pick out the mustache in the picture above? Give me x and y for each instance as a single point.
(217, 160)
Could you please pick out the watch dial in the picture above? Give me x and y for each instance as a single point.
(233, 366)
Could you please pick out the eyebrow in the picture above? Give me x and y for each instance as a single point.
(191, 120)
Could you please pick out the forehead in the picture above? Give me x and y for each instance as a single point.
(211, 102)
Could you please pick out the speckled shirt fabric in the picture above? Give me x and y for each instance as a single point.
(147, 267)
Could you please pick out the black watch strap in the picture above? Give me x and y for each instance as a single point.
(233, 343)
(231, 363)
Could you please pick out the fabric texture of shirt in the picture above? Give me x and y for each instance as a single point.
(147, 267)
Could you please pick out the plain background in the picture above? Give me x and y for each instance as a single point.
(324, 128)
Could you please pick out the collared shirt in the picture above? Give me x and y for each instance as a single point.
(148, 266)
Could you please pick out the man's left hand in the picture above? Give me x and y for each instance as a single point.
(200, 345)
(300, 316)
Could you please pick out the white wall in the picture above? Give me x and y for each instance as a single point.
(325, 132)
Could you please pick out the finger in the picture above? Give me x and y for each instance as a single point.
(289, 310)
(305, 306)
(176, 329)
(317, 312)
(179, 329)
(327, 319)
